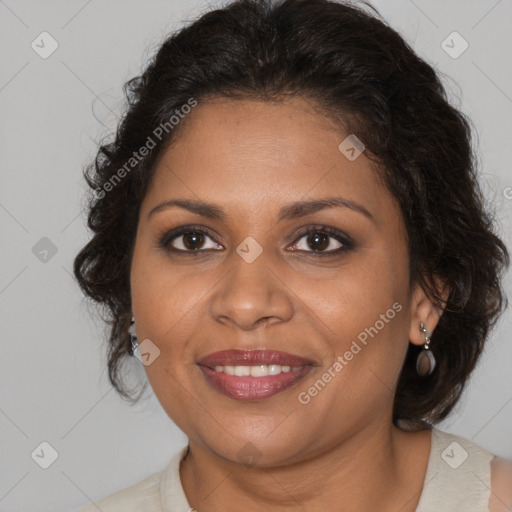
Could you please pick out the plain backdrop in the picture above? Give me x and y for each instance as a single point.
(53, 381)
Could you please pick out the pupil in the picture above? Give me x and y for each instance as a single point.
(318, 241)
(193, 239)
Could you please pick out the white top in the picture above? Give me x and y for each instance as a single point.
(458, 479)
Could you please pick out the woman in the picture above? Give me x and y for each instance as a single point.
(289, 234)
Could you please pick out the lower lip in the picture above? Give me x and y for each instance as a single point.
(252, 388)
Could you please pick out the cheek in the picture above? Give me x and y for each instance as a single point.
(363, 312)
(163, 296)
(352, 297)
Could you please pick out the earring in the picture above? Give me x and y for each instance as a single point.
(426, 361)
(133, 336)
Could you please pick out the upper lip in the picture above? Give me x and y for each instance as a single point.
(237, 357)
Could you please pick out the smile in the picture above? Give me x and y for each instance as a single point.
(253, 374)
(261, 370)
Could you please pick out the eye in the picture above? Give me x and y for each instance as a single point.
(323, 240)
(189, 240)
(318, 240)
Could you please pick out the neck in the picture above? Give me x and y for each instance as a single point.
(380, 468)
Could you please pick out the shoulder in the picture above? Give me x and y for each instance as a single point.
(143, 495)
(157, 492)
(501, 485)
(459, 476)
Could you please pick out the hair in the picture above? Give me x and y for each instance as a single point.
(362, 74)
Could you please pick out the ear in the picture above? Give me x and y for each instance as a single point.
(424, 310)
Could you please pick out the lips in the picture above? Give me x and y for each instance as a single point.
(251, 358)
(218, 369)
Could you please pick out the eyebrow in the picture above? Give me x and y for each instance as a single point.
(290, 211)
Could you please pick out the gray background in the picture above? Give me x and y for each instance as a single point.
(53, 383)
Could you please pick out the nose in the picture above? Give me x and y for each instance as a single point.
(250, 295)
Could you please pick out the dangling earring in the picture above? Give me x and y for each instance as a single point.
(133, 336)
(426, 361)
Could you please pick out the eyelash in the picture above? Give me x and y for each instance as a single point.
(347, 243)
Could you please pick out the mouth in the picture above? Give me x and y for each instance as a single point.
(253, 374)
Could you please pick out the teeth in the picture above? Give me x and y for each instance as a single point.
(261, 370)
(242, 371)
(274, 369)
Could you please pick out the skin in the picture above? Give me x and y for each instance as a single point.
(501, 486)
(252, 158)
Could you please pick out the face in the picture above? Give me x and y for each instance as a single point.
(328, 286)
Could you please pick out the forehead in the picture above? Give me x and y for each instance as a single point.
(252, 154)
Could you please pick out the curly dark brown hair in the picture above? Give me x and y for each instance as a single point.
(362, 74)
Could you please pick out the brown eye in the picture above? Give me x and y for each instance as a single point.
(189, 240)
(193, 240)
(318, 241)
(323, 240)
